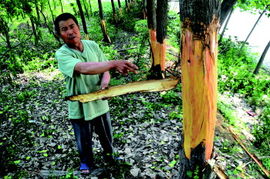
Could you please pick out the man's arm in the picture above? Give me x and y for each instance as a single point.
(106, 77)
(92, 68)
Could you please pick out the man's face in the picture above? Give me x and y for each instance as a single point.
(69, 32)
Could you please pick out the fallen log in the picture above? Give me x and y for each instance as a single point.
(134, 87)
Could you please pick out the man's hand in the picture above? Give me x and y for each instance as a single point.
(124, 67)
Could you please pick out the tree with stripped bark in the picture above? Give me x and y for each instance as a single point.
(200, 25)
(157, 24)
(106, 37)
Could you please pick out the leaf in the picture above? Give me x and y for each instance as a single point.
(172, 163)
(17, 161)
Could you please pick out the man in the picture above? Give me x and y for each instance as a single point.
(86, 69)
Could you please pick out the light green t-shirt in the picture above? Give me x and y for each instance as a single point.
(79, 83)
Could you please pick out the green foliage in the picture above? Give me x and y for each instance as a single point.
(262, 133)
(253, 5)
(126, 19)
(235, 73)
(227, 112)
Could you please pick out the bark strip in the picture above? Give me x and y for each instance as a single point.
(141, 86)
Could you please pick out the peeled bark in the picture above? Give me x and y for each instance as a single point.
(141, 86)
(200, 25)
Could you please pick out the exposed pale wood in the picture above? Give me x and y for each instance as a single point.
(220, 173)
(217, 169)
(141, 86)
(265, 171)
(199, 88)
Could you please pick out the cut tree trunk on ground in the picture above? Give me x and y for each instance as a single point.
(200, 25)
(141, 86)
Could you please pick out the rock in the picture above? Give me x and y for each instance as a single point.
(135, 172)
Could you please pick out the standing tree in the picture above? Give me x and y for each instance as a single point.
(51, 11)
(106, 37)
(83, 19)
(226, 8)
(61, 4)
(200, 25)
(225, 25)
(162, 6)
(260, 16)
(37, 10)
(113, 7)
(157, 23)
(85, 6)
(119, 3)
(151, 21)
(256, 71)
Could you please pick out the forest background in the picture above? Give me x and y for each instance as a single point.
(36, 139)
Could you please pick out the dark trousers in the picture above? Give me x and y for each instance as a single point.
(84, 131)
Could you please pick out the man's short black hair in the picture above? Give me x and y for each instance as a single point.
(63, 17)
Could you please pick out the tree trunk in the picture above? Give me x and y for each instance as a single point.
(106, 37)
(113, 9)
(50, 29)
(86, 9)
(256, 71)
(51, 10)
(200, 23)
(90, 5)
(54, 4)
(62, 9)
(253, 28)
(225, 25)
(151, 21)
(126, 3)
(5, 30)
(162, 15)
(157, 23)
(144, 4)
(37, 11)
(119, 3)
(83, 19)
(226, 7)
(34, 29)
